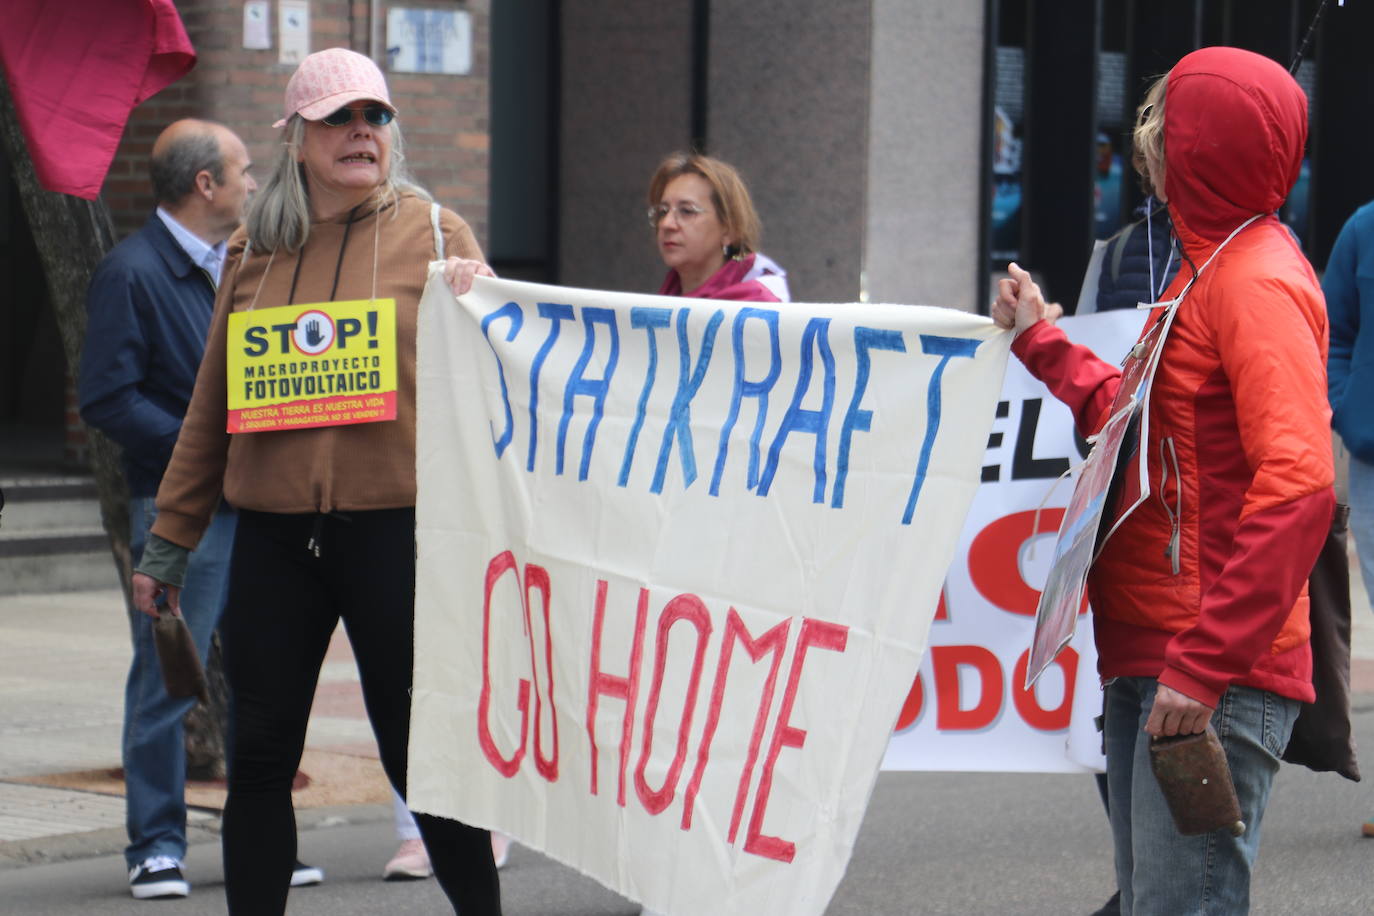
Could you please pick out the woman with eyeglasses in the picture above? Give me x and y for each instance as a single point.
(326, 512)
(707, 233)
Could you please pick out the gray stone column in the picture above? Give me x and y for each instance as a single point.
(856, 124)
(789, 106)
(924, 171)
(625, 102)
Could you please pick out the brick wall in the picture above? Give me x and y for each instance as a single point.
(445, 118)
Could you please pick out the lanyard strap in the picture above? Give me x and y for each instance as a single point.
(1169, 303)
(338, 267)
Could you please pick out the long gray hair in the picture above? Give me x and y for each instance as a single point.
(279, 217)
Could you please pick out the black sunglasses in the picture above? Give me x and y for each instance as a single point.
(376, 115)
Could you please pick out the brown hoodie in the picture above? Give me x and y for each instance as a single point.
(343, 468)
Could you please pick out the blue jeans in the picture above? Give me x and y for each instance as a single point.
(154, 747)
(1362, 518)
(1159, 871)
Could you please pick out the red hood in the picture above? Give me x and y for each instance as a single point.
(1235, 124)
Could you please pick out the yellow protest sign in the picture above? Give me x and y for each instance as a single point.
(301, 366)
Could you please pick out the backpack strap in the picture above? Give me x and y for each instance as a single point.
(1120, 249)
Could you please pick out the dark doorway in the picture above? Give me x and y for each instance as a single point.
(33, 376)
(524, 140)
(1067, 77)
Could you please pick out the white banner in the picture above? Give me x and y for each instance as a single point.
(967, 709)
(677, 564)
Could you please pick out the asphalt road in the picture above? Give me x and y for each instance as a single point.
(932, 843)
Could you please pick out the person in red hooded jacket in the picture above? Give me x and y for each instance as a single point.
(1199, 597)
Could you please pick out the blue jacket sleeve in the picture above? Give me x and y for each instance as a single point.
(1343, 310)
(1349, 289)
(114, 363)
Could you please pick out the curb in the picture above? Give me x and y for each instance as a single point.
(112, 840)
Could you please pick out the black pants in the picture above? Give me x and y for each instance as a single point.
(284, 603)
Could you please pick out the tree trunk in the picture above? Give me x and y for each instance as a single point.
(207, 722)
(72, 235)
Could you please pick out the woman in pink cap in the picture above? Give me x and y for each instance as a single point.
(327, 517)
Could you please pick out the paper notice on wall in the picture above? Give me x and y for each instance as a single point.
(293, 25)
(429, 41)
(257, 26)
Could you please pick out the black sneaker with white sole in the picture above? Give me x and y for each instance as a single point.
(303, 875)
(158, 877)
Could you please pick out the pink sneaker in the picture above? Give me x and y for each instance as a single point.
(410, 863)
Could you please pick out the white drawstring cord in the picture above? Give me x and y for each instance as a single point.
(1194, 278)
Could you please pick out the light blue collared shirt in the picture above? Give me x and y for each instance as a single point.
(209, 257)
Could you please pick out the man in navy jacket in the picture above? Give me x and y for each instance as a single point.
(148, 312)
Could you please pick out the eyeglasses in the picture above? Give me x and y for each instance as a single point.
(376, 115)
(685, 213)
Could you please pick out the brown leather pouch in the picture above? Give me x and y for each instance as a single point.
(182, 673)
(1196, 781)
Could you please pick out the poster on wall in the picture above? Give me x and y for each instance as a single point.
(257, 25)
(293, 27)
(428, 41)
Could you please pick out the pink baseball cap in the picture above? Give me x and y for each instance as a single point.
(328, 80)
